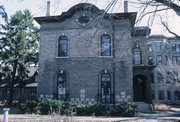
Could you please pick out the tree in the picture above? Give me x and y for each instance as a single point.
(170, 71)
(157, 6)
(3, 16)
(173, 4)
(3, 13)
(18, 47)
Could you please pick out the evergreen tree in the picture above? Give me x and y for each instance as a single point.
(3, 18)
(18, 47)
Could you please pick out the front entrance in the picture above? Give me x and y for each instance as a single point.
(139, 88)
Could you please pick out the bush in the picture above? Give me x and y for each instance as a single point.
(48, 106)
(124, 109)
(95, 109)
(101, 109)
(45, 106)
(29, 106)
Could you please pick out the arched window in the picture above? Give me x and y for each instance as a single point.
(105, 45)
(63, 46)
(61, 86)
(137, 56)
(106, 87)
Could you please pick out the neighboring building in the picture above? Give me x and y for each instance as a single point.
(22, 90)
(163, 52)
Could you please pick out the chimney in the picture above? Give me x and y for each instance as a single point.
(48, 8)
(125, 6)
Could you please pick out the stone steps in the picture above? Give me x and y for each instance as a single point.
(144, 107)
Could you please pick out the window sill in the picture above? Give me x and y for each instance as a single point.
(61, 57)
(105, 56)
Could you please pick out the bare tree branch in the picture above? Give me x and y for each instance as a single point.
(159, 10)
(167, 28)
(171, 4)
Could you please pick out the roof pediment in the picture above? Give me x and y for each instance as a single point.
(84, 6)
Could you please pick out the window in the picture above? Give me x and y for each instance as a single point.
(63, 46)
(168, 95)
(166, 59)
(169, 77)
(177, 95)
(175, 47)
(62, 78)
(158, 46)
(176, 77)
(161, 95)
(137, 56)
(83, 20)
(166, 47)
(158, 59)
(105, 45)
(160, 78)
(150, 60)
(106, 87)
(176, 59)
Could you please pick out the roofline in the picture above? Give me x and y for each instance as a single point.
(162, 37)
(85, 6)
(137, 31)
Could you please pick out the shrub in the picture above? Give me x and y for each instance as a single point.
(124, 109)
(94, 109)
(29, 106)
(101, 109)
(45, 106)
(49, 106)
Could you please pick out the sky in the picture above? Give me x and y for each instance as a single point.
(38, 8)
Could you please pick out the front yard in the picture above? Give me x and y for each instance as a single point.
(16, 116)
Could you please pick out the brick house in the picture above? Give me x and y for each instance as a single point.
(85, 55)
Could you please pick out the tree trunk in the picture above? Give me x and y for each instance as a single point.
(12, 81)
